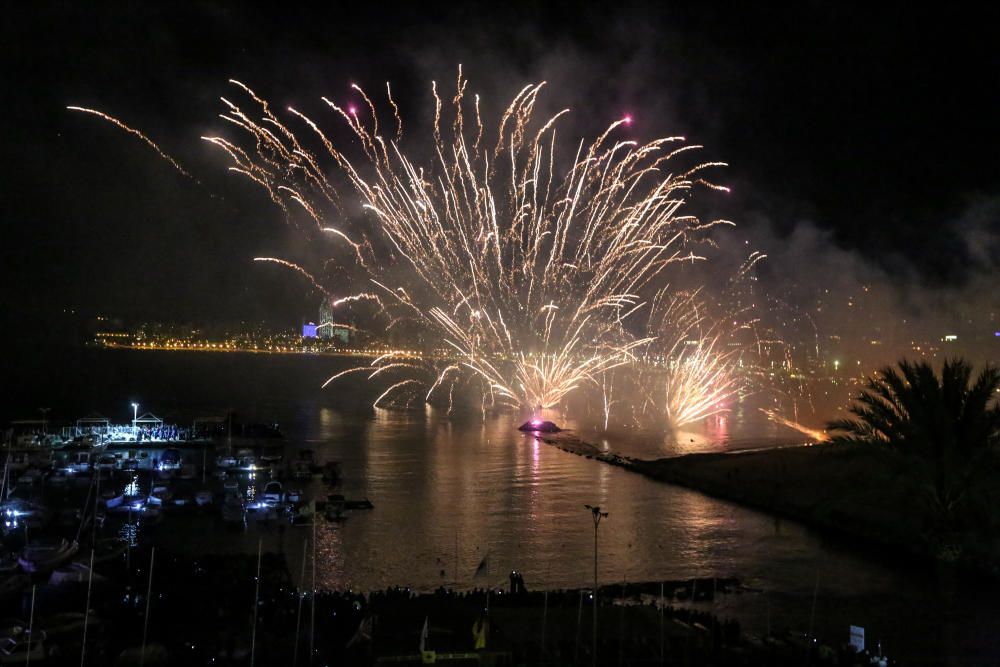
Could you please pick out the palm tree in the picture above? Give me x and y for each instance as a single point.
(943, 425)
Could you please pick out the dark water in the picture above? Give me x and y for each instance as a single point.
(451, 491)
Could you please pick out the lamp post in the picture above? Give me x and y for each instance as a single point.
(598, 515)
(135, 417)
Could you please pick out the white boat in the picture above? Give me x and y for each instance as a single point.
(203, 498)
(44, 556)
(226, 461)
(127, 463)
(273, 492)
(161, 494)
(79, 462)
(271, 455)
(171, 459)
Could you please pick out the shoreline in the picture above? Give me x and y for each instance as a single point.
(807, 484)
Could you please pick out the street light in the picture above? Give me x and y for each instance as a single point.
(135, 417)
(598, 515)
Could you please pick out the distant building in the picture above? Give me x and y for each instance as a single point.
(327, 330)
(309, 330)
(330, 331)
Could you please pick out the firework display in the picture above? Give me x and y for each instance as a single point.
(529, 275)
(533, 276)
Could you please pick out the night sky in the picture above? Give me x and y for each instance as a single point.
(874, 128)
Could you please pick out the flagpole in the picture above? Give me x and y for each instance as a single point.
(312, 600)
(31, 626)
(86, 615)
(149, 595)
(298, 615)
(545, 620)
(256, 602)
(97, 498)
(579, 620)
(661, 622)
(621, 625)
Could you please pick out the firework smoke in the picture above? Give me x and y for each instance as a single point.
(531, 276)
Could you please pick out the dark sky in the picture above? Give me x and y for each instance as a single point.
(876, 125)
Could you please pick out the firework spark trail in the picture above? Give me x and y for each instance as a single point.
(818, 435)
(700, 384)
(528, 276)
(697, 338)
(131, 130)
(294, 267)
(532, 275)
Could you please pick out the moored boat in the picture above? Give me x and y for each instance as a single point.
(273, 492)
(73, 573)
(226, 461)
(41, 556)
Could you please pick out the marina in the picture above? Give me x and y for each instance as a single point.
(446, 492)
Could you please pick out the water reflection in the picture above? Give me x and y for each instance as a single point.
(449, 491)
(129, 532)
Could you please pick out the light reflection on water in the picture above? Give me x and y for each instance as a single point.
(496, 491)
(455, 489)
(450, 492)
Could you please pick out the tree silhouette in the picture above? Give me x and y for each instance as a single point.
(943, 425)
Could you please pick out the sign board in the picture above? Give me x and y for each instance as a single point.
(857, 638)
